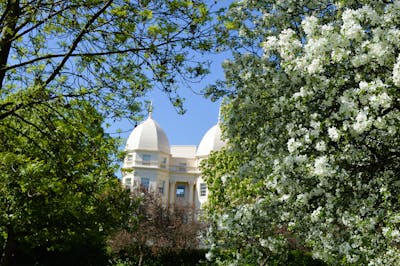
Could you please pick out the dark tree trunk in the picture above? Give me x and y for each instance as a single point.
(140, 259)
(9, 249)
(11, 15)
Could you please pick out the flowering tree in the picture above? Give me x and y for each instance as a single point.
(315, 112)
(156, 230)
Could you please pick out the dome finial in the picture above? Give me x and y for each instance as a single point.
(219, 114)
(150, 110)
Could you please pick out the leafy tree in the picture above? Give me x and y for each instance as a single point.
(58, 188)
(64, 66)
(108, 52)
(158, 232)
(314, 110)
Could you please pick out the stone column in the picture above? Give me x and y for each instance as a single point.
(191, 184)
(172, 193)
(166, 194)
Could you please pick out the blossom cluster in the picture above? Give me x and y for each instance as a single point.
(327, 127)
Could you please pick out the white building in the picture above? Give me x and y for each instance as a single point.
(171, 171)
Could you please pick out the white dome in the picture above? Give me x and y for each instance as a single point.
(148, 136)
(210, 142)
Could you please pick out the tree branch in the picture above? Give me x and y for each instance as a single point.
(69, 55)
(21, 105)
(77, 41)
(36, 25)
(49, 56)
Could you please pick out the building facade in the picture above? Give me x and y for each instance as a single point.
(171, 171)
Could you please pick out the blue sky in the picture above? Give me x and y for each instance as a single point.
(186, 129)
(201, 114)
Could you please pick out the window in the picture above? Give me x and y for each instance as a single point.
(203, 189)
(163, 162)
(161, 187)
(128, 183)
(180, 191)
(145, 183)
(182, 167)
(146, 158)
(129, 158)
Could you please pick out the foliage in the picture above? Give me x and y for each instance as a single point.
(108, 52)
(314, 111)
(64, 67)
(160, 232)
(58, 187)
(182, 258)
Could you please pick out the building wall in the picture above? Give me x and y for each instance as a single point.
(176, 179)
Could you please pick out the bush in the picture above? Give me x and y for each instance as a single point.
(183, 258)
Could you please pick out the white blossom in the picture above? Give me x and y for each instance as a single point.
(224, 179)
(315, 214)
(396, 235)
(380, 100)
(284, 197)
(320, 146)
(309, 24)
(351, 28)
(209, 255)
(288, 44)
(362, 122)
(293, 145)
(396, 72)
(300, 94)
(338, 54)
(315, 66)
(333, 133)
(315, 124)
(321, 166)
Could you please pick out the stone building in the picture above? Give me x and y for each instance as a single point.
(171, 171)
